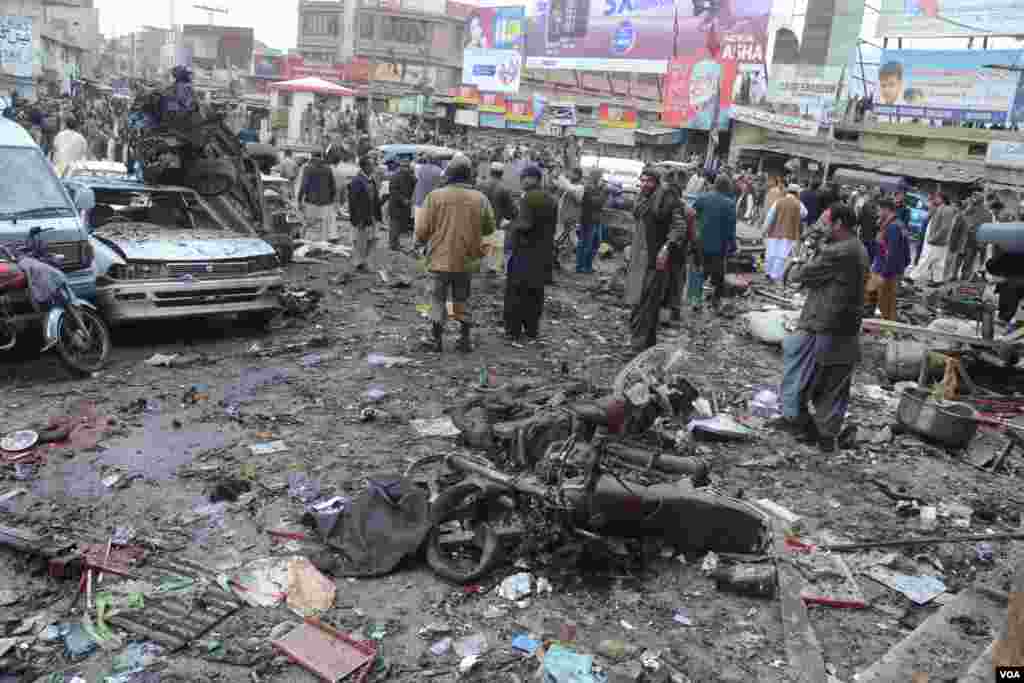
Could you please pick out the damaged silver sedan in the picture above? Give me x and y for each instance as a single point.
(162, 252)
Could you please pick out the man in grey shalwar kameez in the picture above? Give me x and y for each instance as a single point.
(819, 358)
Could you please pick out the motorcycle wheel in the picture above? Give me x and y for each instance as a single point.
(83, 349)
(472, 560)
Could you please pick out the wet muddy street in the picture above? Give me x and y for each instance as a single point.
(154, 446)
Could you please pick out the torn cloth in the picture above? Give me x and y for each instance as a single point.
(386, 523)
(46, 283)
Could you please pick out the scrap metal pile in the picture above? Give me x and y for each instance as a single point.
(180, 141)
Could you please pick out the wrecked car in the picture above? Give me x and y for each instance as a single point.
(162, 253)
(283, 218)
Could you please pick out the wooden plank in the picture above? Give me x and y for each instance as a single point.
(802, 647)
(1009, 649)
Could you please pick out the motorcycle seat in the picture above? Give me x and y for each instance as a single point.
(12, 278)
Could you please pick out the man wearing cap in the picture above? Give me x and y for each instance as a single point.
(318, 194)
(782, 231)
(364, 212)
(660, 227)
(501, 199)
(454, 221)
(531, 247)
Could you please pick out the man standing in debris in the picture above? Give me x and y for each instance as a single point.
(364, 212)
(401, 189)
(660, 227)
(782, 231)
(932, 268)
(319, 194)
(494, 189)
(69, 146)
(976, 214)
(454, 221)
(819, 358)
(717, 211)
(589, 239)
(532, 240)
(428, 176)
(892, 256)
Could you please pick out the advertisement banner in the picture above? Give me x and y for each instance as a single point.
(698, 92)
(465, 94)
(519, 111)
(562, 114)
(779, 122)
(611, 116)
(408, 73)
(467, 117)
(492, 120)
(493, 102)
(492, 70)
(549, 129)
(638, 36)
(16, 46)
(952, 85)
(521, 125)
(910, 18)
(495, 28)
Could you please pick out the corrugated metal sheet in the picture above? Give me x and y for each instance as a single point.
(177, 620)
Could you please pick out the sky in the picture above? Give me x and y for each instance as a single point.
(274, 22)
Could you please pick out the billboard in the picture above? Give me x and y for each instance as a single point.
(466, 94)
(698, 92)
(495, 28)
(492, 70)
(227, 46)
(611, 116)
(493, 102)
(519, 111)
(798, 98)
(952, 85)
(1005, 153)
(638, 36)
(909, 18)
(492, 120)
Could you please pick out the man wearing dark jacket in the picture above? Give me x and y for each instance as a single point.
(717, 211)
(660, 224)
(364, 212)
(532, 240)
(501, 199)
(811, 199)
(319, 195)
(400, 204)
(820, 357)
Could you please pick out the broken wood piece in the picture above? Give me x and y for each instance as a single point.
(802, 646)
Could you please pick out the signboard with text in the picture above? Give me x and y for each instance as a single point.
(492, 102)
(519, 111)
(951, 85)
(492, 70)
(611, 116)
(16, 55)
(910, 18)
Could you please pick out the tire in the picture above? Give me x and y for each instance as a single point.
(77, 359)
(489, 543)
(211, 177)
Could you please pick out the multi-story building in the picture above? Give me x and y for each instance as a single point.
(324, 35)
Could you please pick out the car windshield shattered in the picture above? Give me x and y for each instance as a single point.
(26, 184)
(117, 210)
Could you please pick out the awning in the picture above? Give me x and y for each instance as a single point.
(314, 85)
(959, 172)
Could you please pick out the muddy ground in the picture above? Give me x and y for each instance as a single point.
(307, 384)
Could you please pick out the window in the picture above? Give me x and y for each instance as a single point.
(978, 149)
(366, 26)
(402, 30)
(910, 143)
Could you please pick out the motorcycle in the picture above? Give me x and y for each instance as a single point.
(71, 326)
(588, 489)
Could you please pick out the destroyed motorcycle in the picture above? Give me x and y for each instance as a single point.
(590, 488)
(70, 325)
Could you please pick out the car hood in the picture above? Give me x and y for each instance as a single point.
(146, 242)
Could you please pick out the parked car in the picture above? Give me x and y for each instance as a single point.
(162, 253)
(31, 196)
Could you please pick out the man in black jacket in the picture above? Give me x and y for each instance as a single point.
(319, 194)
(400, 194)
(364, 212)
(501, 199)
(532, 239)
